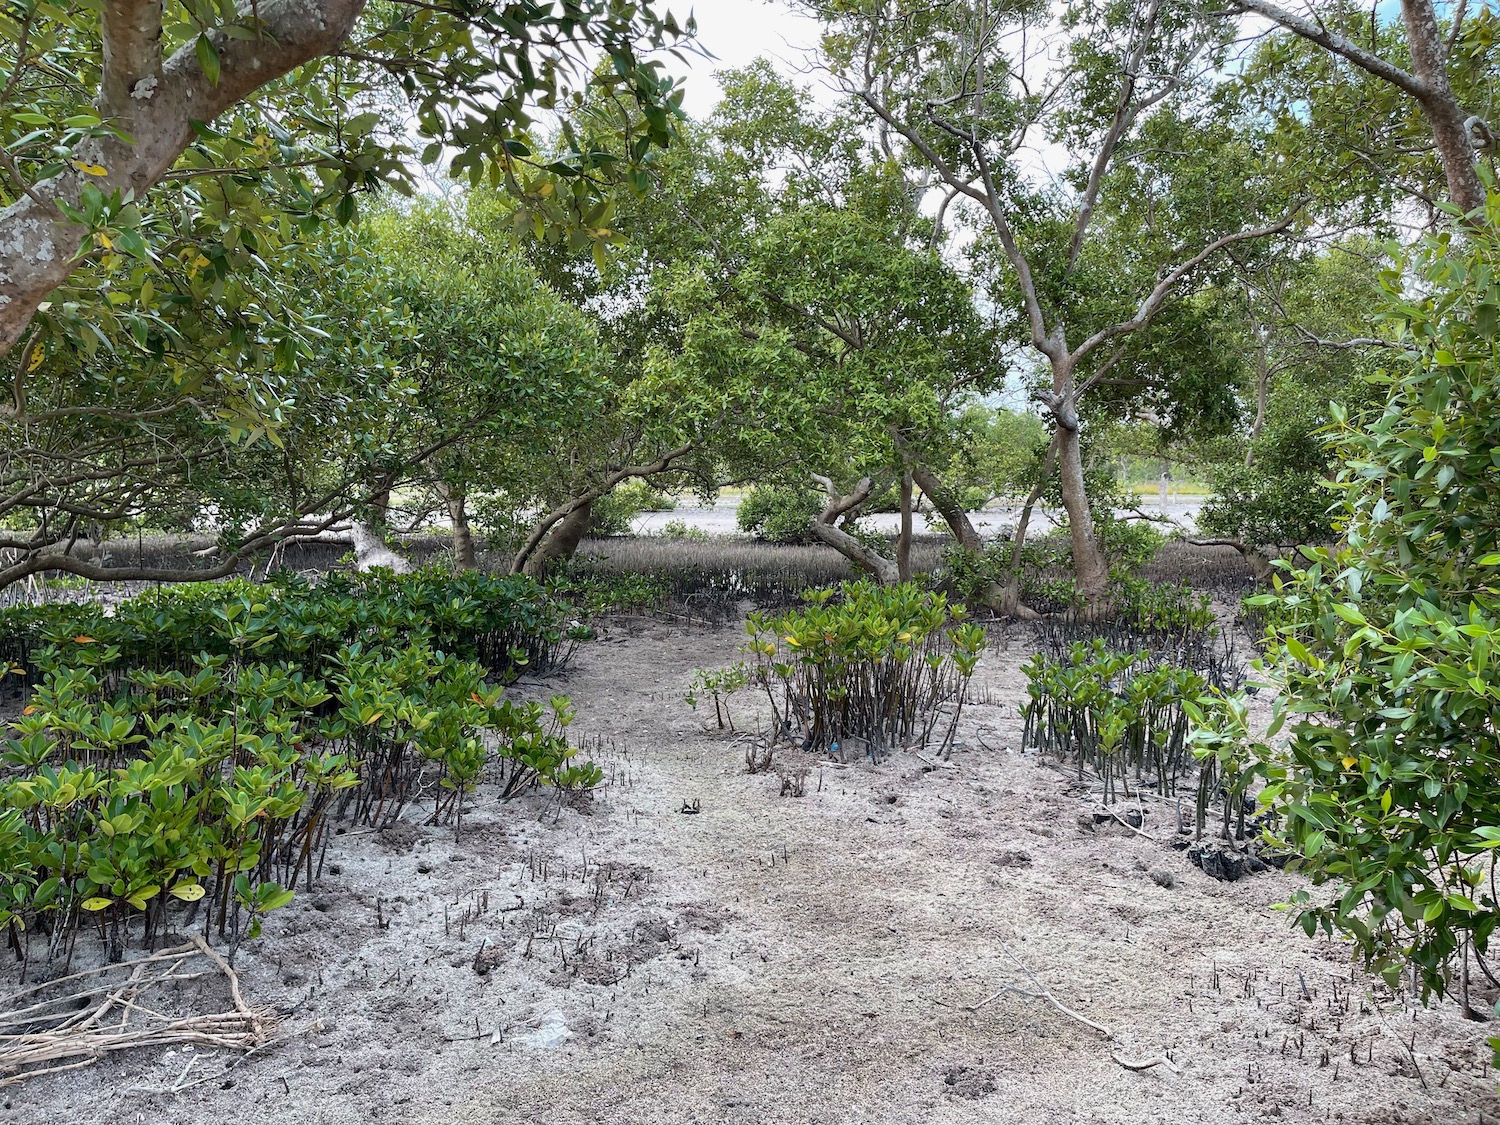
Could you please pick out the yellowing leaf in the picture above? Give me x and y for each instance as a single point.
(1350, 763)
(97, 903)
(84, 639)
(37, 356)
(91, 169)
(188, 892)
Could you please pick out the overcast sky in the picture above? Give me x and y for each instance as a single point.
(738, 31)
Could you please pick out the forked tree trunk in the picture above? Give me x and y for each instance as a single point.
(1450, 131)
(561, 542)
(371, 552)
(882, 569)
(464, 555)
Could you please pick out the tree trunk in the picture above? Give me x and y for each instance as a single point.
(561, 542)
(371, 552)
(1262, 383)
(1090, 570)
(948, 505)
(1450, 132)
(464, 555)
(380, 510)
(903, 541)
(882, 569)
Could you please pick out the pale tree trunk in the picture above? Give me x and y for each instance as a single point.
(903, 541)
(1090, 569)
(948, 505)
(1262, 383)
(371, 552)
(156, 102)
(882, 569)
(464, 555)
(548, 524)
(561, 541)
(1450, 130)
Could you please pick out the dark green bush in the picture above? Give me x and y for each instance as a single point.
(505, 624)
(1384, 648)
(778, 514)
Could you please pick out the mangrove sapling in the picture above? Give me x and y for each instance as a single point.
(1229, 759)
(1115, 713)
(164, 798)
(720, 685)
(865, 662)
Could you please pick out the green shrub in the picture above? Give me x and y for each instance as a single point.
(680, 529)
(1383, 649)
(868, 663)
(1121, 715)
(506, 624)
(614, 513)
(778, 514)
(720, 685)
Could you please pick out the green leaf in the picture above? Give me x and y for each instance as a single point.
(208, 58)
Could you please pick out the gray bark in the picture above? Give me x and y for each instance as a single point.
(370, 552)
(882, 569)
(464, 555)
(561, 541)
(948, 506)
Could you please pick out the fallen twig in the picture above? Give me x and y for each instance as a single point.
(1042, 992)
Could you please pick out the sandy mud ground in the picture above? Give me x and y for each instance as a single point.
(779, 959)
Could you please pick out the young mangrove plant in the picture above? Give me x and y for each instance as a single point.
(865, 667)
(1123, 715)
(720, 685)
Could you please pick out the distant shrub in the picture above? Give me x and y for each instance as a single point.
(613, 514)
(680, 529)
(778, 514)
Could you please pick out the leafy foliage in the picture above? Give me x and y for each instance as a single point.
(1383, 647)
(1123, 715)
(504, 624)
(778, 513)
(143, 783)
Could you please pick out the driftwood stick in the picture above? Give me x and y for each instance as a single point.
(1042, 992)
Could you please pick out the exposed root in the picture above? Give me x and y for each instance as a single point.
(77, 1028)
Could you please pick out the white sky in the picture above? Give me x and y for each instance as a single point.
(737, 32)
